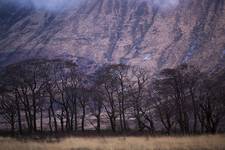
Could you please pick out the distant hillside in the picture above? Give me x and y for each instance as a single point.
(138, 32)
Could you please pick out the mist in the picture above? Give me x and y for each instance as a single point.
(57, 5)
(166, 4)
(51, 5)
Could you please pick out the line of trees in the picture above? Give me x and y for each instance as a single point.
(55, 96)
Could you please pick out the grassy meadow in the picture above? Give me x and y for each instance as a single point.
(209, 142)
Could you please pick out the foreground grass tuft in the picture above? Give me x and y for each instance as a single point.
(209, 142)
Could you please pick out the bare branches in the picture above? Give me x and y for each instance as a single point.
(49, 95)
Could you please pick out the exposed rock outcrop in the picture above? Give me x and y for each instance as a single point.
(137, 32)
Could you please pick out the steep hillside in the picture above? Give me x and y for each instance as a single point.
(141, 32)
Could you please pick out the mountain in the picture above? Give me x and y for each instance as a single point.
(149, 33)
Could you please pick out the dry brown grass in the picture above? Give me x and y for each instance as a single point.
(209, 142)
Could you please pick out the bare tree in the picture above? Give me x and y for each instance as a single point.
(138, 90)
(211, 104)
(164, 105)
(8, 108)
(95, 106)
(108, 84)
(173, 81)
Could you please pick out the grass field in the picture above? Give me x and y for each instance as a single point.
(209, 142)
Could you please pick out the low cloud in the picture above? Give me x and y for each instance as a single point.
(165, 4)
(52, 5)
(56, 5)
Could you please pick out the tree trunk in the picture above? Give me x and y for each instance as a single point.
(123, 115)
(83, 118)
(120, 114)
(99, 120)
(53, 114)
(34, 111)
(75, 115)
(50, 120)
(112, 122)
(12, 120)
(194, 111)
(41, 120)
(61, 121)
(19, 114)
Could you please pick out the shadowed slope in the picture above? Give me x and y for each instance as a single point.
(119, 31)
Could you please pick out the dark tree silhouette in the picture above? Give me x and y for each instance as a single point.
(56, 96)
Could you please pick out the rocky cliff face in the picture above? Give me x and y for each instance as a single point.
(138, 32)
